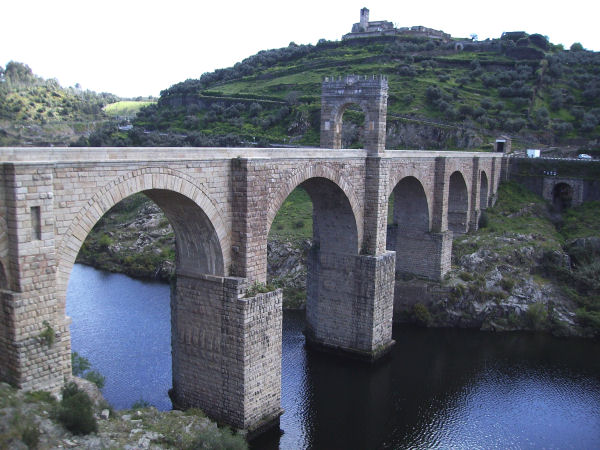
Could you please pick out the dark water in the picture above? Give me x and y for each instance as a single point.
(438, 389)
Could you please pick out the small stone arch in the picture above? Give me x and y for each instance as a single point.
(562, 196)
(370, 94)
(302, 175)
(484, 191)
(458, 203)
(186, 205)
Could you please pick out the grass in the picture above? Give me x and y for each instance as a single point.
(126, 108)
(581, 221)
(294, 219)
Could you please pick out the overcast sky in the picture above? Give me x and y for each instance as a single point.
(137, 48)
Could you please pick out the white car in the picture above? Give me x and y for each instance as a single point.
(584, 156)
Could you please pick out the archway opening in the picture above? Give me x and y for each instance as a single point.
(125, 326)
(330, 255)
(483, 191)
(408, 229)
(458, 204)
(353, 127)
(316, 217)
(562, 196)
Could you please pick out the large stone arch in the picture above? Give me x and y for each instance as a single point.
(458, 203)
(301, 176)
(370, 94)
(188, 208)
(484, 190)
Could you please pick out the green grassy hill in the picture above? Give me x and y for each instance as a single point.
(440, 96)
(35, 111)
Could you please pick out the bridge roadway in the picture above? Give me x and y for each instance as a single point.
(226, 345)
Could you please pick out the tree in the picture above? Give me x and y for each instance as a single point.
(577, 47)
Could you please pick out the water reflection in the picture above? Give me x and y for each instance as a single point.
(437, 389)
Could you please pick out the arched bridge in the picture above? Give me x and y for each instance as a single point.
(221, 204)
(226, 344)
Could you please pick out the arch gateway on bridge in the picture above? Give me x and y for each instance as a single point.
(226, 345)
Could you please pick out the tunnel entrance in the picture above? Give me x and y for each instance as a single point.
(562, 196)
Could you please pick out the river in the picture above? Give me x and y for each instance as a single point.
(440, 388)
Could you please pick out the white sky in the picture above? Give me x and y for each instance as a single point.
(139, 47)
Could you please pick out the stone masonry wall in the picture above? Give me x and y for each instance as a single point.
(349, 301)
(226, 350)
(420, 253)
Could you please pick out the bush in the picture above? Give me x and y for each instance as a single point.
(79, 364)
(483, 220)
(218, 439)
(95, 377)
(421, 314)
(141, 404)
(75, 411)
(537, 316)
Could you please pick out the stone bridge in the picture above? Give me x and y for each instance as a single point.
(226, 343)
(221, 203)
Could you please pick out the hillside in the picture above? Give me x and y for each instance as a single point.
(442, 95)
(35, 111)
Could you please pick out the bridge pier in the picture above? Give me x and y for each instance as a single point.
(34, 338)
(226, 351)
(421, 253)
(350, 303)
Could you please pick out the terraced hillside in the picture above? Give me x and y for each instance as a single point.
(453, 95)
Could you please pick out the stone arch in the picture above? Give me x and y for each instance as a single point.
(562, 196)
(409, 236)
(188, 208)
(301, 176)
(411, 206)
(370, 94)
(458, 203)
(483, 191)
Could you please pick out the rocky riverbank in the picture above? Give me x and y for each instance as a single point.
(30, 420)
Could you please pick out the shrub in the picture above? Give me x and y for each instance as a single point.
(79, 364)
(75, 411)
(465, 276)
(421, 314)
(95, 377)
(140, 404)
(483, 220)
(507, 284)
(537, 316)
(221, 438)
(47, 336)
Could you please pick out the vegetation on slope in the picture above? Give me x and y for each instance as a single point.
(520, 84)
(35, 111)
(535, 250)
(37, 420)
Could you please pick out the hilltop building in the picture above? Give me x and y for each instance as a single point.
(364, 28)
